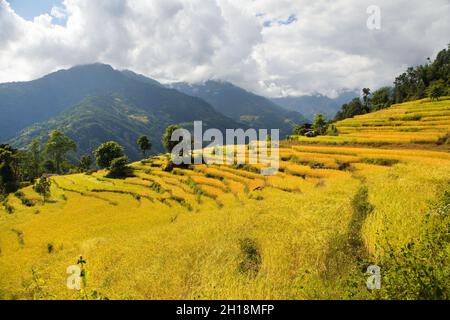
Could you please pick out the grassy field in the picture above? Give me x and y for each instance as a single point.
(227, 232)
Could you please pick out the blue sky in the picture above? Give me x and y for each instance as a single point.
(29, 9)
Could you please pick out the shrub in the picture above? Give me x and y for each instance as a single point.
(332, 131)
(251, 257)
(421, 269)
(25, 201)
(380, 161)
(119, 167)
(444, 139)
(415, 117)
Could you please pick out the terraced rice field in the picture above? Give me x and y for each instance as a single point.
(177, 235)
(415, 122)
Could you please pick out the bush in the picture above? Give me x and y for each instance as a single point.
(119, 167)
(421, 269)
(332, 131)
(251, 257)
(25, 201)
(380, 161)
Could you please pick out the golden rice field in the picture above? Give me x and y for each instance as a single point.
(178, 234)
(415, 122)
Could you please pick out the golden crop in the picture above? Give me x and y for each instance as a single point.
(176, 235)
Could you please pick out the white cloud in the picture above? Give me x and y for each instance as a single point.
(324, 48)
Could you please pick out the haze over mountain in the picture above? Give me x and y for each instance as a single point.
(309, 106)
(95, 103)
(242, 106)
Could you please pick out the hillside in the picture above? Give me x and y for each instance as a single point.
(309, 106)
(418, 122)
(75, 101)
(227, 232)
(243, 106)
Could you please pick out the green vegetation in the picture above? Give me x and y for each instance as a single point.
(320, 124)
(429, 80)
(166, 138)
(42, 187)
(57, 148)
(86, 162)
(119, 168)
(144, 144)
(107, 152)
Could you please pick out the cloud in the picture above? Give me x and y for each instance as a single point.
(272, 47)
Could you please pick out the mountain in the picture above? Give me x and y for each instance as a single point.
(243, 106)
(95, 103)
(309, 106)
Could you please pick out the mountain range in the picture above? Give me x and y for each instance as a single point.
(243, 106)
(96, 103)
(309, 106)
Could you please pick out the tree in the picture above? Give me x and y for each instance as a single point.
(166, 138)
(381, 99)
(107, 152)
(34, 159)
(320, 124)
(144, 144)
(9, 172)
(58, 146)
(301, 129)
(43, 187)
(85, 162)
(351, 109)
(436, 90)
(49, 166)
(119, 167)
(366, 94)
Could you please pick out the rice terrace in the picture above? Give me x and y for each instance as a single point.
(196, 224)
(298, 151)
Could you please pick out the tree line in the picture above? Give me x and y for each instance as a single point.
(431, 79)
(19, 168)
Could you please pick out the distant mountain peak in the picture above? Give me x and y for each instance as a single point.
(241, 105)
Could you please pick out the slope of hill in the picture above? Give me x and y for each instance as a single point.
(309, 106)
(227, 232)
(123, 117)
(243, 106)
(33, 108)
(415, 122)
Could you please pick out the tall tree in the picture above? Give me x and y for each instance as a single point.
(34, 159)
(85, 162)
(58, 146)
(9, 172)
(381, 98)
(320, 124)
(366, 95)
(436, 90)
(144, 144)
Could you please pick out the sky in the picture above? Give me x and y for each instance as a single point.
(270, 47)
